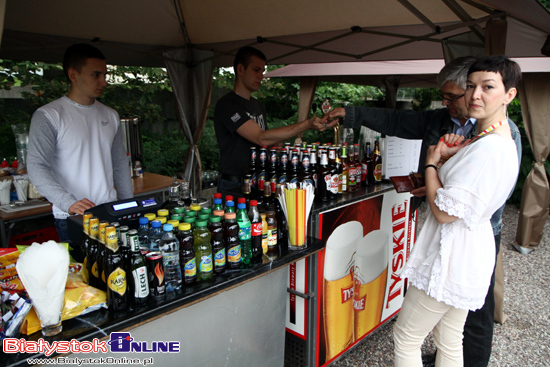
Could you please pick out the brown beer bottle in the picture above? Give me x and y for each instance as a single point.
(377, 163)
(253, 172)
(345, 168)
(92, 253)
(115, 272)
(322, 190)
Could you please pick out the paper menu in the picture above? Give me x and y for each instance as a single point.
(399, 156)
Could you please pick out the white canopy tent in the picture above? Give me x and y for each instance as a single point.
(145, 33)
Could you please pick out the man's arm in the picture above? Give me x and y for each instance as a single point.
(40, 152)
(121, 171)
(404, 124)
(253, 133)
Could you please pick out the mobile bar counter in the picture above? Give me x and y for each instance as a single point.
(237, 319)
(352, 286)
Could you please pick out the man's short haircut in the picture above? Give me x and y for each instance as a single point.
(244, 55)
(456, 71)
(77, 55)
(509, 70)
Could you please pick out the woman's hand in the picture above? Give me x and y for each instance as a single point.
(448, 145)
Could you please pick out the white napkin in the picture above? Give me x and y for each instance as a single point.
(5, 186)
(21, 186)
(43, 269)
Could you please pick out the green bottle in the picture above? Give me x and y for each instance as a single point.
(203, 251)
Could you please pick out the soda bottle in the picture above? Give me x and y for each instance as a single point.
(203, 252)
(256, 231)
(218, 244)
(117, 295)
(272, 236)
(230, 206)
(217, 208)
(187, 253)
(264, 232)
(143, 232)
(169, 247)
(139, 285)
(244, 236)
(232, 242)
(155, 235)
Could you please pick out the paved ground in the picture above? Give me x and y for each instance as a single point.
(523, 340)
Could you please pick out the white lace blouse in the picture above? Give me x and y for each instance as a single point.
(453, 262)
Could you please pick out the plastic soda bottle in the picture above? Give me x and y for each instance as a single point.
(244, 236)
(188, 262)
(203, 251)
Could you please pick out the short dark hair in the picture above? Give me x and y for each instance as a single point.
(77, 55)
(244, 55)
(509, 70)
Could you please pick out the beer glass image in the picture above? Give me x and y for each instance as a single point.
(371, 273)
(338, 287)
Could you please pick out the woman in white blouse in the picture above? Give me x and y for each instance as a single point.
(450, 266)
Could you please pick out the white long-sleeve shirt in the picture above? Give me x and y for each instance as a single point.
(75, 152)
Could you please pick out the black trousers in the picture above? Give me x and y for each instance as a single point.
(478, 330)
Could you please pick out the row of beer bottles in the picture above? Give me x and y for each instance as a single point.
(347, 173)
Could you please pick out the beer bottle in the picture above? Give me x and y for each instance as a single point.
(244, 236)
(322, 191)
(283, 166)
(117, 295)
(92, 254)
(139, 285)
(256, 231)
(252, 171)
(358, 182)
(169, 247)
(272, 170)
(366, 167)
(262, 170)
(267, 200)
(203, 252)
(272, 235)
(155, 235)
(188, 261)
(351, 161)
(247, 191)
(86, 241)
(143, 232)
(232, 242)
(339, 169)
(305, 175)
(102, 255)
(334, 173)
(313, 166)
(377, 163)
(292, 175)
(126, 251)
(218, 244)
(345, 169)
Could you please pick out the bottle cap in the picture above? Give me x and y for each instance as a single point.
(150, 216)
(162, 212)
(217, 195)
(162, 220)
(179, 210)
(174, 223)
(201, 223)
(217, 201)
(143, 220)
(229, 203)
(189, 219)
(203, 216)
(156, 224)
(196, 207)
(241, 200)
(253, 202)
(228, 198)
(206, 210)
(230, 215)
(167, 227)
(241, 206)
(184, 226)
(214, 219)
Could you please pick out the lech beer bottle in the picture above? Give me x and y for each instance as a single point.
(139, 284)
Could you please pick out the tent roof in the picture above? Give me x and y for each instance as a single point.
(135, 32)
(413, 73)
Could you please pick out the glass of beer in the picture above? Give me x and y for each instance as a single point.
(338, 287)
(370, 274)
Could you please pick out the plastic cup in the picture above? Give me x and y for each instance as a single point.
(48, 310)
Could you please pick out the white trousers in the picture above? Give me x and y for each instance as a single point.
(419, 315)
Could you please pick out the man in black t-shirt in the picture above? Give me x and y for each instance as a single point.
(240, 120)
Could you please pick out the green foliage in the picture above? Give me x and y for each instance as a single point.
(164, 153)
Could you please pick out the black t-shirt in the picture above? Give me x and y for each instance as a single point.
(231, 112)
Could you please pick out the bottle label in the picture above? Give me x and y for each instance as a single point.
(244, 231)
(234, 254)
(191, 268)
(334, 182)
(364, 170)
(378, 172)
(264, 242)
(95, 271)
(141, 286)
(272, 237)
(206, 265)
(257, 229)
(117, 281)
(219, 259)
(282, 179)
(308, 181)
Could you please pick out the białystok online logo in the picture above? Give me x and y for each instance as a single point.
(118, 343)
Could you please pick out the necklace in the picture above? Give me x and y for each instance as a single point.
(488, 130)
